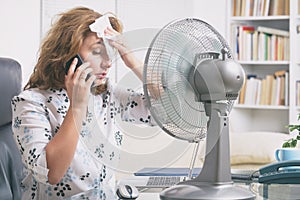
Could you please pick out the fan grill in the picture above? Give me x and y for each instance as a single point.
(169, 62)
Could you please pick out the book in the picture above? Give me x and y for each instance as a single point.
(279, 7)
(269, 83)
(234, 7)
(272, 31)
(280, 73)
(263, 100)
(266, 7)
(286, 90)
(242, 93)
(261, 46)
(255, 46)
(298, 29)
(251, 89)
(280, 76)
(251, 7)
(280, 10)
(287, 7)
(244, 41)
(238, 8)
(276, 91)
(272, 7)
(260, 8)
(243, 8)
(282, 90)
(258, 91)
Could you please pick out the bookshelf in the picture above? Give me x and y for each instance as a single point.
(264, 38)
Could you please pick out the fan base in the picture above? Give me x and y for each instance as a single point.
(206, 191)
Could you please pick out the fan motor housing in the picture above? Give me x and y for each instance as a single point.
(217, 79)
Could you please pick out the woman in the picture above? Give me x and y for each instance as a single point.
(64, 125)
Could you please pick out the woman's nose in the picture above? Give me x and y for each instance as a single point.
(107, 63)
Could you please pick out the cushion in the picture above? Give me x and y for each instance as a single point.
(255, 147)
(252, 148)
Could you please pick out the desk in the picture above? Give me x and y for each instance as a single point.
(263, 192)
(107, 194)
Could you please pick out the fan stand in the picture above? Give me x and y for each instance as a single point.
(214, 180)
(193, 160)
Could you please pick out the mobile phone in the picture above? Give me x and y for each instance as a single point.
(68, 64)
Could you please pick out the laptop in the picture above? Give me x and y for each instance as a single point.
(167, 177)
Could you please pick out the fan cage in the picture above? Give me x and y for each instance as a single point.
(168, 65)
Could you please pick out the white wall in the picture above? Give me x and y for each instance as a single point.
(20, 23)
(20, 32)
(213, 12)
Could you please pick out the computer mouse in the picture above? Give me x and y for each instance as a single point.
(127, 192)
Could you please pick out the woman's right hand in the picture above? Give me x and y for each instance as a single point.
(78, 85)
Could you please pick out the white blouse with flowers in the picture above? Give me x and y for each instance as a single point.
(37, 117)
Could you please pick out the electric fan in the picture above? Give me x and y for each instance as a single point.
(190, 83)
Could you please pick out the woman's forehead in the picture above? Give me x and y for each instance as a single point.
(92, 39)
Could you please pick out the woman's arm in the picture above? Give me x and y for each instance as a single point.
(136, 65)
(61, 149)
(126, 54)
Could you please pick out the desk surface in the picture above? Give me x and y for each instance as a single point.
(263, 192)
(107, 194)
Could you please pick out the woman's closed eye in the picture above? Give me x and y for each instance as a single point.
(97, 51)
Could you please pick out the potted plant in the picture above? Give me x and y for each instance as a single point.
(292, 143)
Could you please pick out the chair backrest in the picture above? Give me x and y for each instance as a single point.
(10, 85)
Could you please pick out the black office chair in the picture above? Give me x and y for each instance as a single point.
(11, 167)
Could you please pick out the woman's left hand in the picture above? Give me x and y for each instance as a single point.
(126, 54)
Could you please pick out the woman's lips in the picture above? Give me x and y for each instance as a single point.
(101, 75)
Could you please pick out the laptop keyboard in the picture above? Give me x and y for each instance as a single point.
(163, 181)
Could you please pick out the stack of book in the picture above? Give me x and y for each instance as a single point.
(260, 7)
(259, 43)
(270, 90)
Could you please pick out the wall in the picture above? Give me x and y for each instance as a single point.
(20, 32)
(213, 12)
(20, 23)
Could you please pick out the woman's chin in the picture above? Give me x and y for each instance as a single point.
(95, 84)
(99, 82)
(99, 87)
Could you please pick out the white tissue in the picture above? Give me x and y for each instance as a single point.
(98, 27)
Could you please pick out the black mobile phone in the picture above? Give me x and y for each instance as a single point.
(79, 62)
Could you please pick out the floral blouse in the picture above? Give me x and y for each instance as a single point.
(37, 117)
